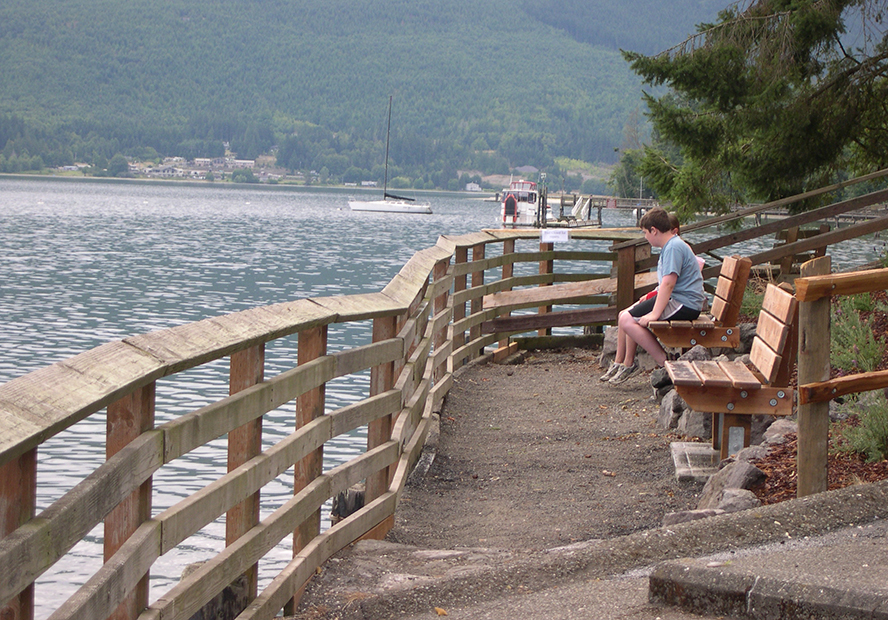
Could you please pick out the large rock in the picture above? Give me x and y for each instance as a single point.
(608, 347)
(776, 432)
(735, 500)
(747, 335)
(759, 426)
(695, 424)
(736, 475)
(696, 353)
(660, 379)
(751, 453)
(671, 408)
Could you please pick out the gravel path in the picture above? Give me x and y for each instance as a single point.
(542, 454)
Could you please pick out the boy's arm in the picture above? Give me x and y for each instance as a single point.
(664, 293)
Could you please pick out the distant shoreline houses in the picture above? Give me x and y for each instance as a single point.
(222, 168)
(197, 168)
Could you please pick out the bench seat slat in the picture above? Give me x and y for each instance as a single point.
(771, 331)
(780, 303)
(741, 377)
(681, 325)
(712, 374)
(704, 322)
(682, 373)
(733, 266)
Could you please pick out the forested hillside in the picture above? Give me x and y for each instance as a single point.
(484, 86)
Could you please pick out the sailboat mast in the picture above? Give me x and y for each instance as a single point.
(387, 132)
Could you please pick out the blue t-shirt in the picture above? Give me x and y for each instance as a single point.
(677, 257)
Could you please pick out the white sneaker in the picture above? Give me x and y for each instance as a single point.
(614, 369)
(625, 373)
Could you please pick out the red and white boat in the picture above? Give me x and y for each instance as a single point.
(521, 205)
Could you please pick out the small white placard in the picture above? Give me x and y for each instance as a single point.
(554, 235)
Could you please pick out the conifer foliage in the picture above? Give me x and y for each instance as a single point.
(776, 97)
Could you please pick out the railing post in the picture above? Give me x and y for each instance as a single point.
(546, 267)
(821, 251)
(792, 235)
(18, 498)
(382, 379)
(459, 310)
(505, 349)
(247, 368)
(625, 277)
(476, 304)
(312, 345)
(440, 304)
(813, 366)
(128, 418)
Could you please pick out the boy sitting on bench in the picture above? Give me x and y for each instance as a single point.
(679, 296)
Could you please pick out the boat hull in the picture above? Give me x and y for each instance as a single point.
(520, 205)
(389, 206)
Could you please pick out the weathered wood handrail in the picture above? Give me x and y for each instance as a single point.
(824, 391)
(427, 322)
(422, 331)
(816, 243)
(814, 291)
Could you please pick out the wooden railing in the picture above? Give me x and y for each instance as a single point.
(814, 290)
(789, 226)
(440, 311)
(425, 323)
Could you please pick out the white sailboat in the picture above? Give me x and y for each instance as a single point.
(389, 203)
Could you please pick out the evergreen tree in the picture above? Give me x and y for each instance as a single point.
(769, 101)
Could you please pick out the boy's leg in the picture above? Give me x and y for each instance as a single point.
(621, 341)
(617, 364)
(641, 336)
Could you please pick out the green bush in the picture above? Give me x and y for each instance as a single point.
(854, 347)
(871, 436)
(753, 297)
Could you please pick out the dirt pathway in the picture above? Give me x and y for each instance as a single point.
(541, 455)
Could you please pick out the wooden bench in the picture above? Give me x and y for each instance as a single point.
(719, 328)
(731, 390)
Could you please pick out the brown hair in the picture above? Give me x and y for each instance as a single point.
(658, 218)
(674, 223)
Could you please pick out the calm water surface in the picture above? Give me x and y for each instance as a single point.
(83, 264)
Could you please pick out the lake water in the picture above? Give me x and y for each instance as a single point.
(85, 263)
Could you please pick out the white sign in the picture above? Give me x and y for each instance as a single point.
(554, 235)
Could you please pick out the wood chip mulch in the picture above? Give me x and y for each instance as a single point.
(844, 469)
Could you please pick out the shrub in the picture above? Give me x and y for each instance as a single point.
(854, 347)
(870, 437)
(753, 297)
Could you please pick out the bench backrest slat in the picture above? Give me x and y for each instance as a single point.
(729, 291)
(773, 348)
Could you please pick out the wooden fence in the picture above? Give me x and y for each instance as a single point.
(425, 323)
(814, 290)
(441, 310)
